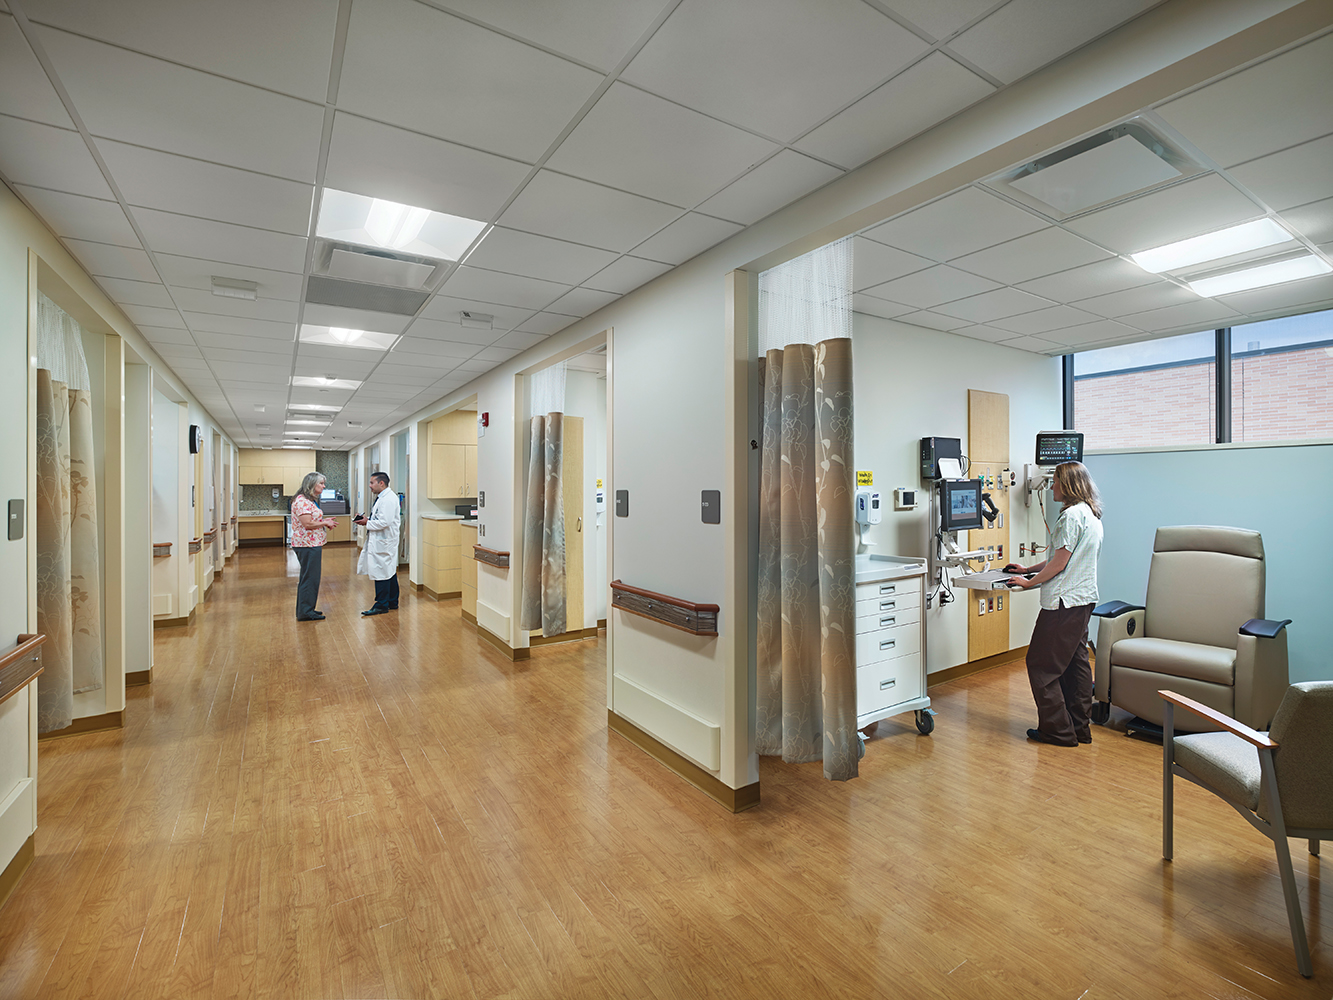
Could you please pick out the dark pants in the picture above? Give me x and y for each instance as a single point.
(386, 593)
(311, 559)
(1060, 674)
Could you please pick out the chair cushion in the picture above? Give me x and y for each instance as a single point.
(1303, 729)
(1214, 664)
(1224, 762)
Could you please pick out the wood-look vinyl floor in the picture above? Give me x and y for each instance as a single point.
(385, 807)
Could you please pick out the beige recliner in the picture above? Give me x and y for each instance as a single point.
(1202, 633)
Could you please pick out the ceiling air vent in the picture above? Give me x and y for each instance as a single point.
(357, 295)
(1124, 160)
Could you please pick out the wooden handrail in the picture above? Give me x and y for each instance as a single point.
(161, 549)
(1218, 719)
(491, 557)
(20, 665)
(687, 616)
(654, 595)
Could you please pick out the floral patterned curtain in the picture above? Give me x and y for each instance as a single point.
(544, 511)
(69, 602)
(806, 655)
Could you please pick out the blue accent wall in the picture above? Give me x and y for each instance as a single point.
(1284, 493)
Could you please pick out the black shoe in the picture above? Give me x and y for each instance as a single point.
(374, 611)
(1037, 736)
(311, 618)
(1084, 737)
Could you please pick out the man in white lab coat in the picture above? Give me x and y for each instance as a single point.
(379, 557)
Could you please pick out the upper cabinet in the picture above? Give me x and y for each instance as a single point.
(452, 472)
(282, 467)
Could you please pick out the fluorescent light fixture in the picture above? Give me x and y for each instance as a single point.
(321, 407)
(325, 382)
(235, 288)
(1212, 246)
(383, 224)
(337, 336)
(1291, 269)
(306, 423)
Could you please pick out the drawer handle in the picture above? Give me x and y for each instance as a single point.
(886, 622)
(887, 605)
(885, 685)
(889, 588)
(887, 644)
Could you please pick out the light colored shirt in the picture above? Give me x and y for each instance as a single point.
(1080, 531)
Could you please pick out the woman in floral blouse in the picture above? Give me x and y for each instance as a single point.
(308, 530)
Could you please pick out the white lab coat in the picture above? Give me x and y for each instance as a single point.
(379, 558)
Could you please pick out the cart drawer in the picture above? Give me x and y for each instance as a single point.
(874, 621)
(889, 588)
(888, 643)
(890, 682)
(888, 604)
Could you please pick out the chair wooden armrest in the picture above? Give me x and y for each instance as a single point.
(1218, 719)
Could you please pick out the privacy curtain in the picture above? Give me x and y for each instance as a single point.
(544, 510)
(806, 652)
(69, 599)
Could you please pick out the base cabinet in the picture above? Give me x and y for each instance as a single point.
(441, 569)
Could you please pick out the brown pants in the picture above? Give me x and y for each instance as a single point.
(1060, 674)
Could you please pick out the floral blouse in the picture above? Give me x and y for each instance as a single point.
(303, 537)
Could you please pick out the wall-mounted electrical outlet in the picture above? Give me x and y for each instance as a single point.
(981, 606)
(1022, 549)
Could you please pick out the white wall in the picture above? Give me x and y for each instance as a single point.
(585, 396)
(912, 383)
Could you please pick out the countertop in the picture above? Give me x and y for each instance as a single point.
(436, 516)
(261, 513)
(870, 568)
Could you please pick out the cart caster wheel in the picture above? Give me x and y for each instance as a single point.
(925, 722)
(869, 731)
(1101, 712)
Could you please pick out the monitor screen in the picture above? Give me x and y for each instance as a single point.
(1054, 447)
(960, 504)
(328, 494)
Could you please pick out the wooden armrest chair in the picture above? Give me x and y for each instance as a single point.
(1282, 782)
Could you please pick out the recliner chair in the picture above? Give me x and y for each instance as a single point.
(1202, 633)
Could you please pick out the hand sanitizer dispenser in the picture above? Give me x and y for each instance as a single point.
(867, 507)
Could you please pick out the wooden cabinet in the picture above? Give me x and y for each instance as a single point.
(468, 536)
(441, 556)
(452, 472)
(263, 530)
(342, 533)
(284, 468)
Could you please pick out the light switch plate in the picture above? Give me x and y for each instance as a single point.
(710, 502)
(622, 503)
(16, 520)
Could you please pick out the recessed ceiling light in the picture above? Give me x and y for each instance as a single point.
(323, 407)
(1212, 246)
(308, 423)
(1265, 274)
(380, 223)
(337, 336)
(259, 407)
(325, 383)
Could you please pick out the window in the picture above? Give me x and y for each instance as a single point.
(1157, 392)
(1282, 379)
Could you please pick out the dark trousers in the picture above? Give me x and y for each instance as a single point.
(1060, 674)
(311, 559)
(386, 593)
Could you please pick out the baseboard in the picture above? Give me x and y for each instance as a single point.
(89, 724)
(443, 597)
(9, 878)
(419, 586)
(601, 623)
(976, 666)
(470, 618)
(217, 575)
(577, 635)
(502, 646)
(174, 622)
(734, 799)
(134, 678)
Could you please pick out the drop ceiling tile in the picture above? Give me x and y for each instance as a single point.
(772, 185)
(1198, 315)
(874, 263)
(935, 286)
(1031, 256)
(637, 142)
(475, 367)
(962, 223)
(233, 356)
(1278, 103)
(776, 66)
(187, 186)
(325, 367)
(687, 237)
(538, 256)
(1313, 221)
(599, 32)
(933, 321)
(203, 323)
(1194, 207)
(72, 215)
(627, 274)
(883, 308)
(1099, 332)
(582, 301)
(1141, 299)
(1024, 35)
(1275, 298)
(165, 335)
(407, 375)
(990, 334)
(422, 347)
(317, 314)
(188, 237)
(52, 157)
(541, 325)
(498, 355)
(285, 47)
(990, 306)
(25, 90)
(152, 316)
(1292, 177)
(571, 209)
(521, 341)
(134, 98)
(453, 330)
(1102, 277)
(192, 272)
(504, 289)
(279, 344)
(402, 56)
(256, 375)
(196, 300)
(380, 161)
(941, 18)
(1045, 320)
(921, 96)
(180, 352)
(137, 293)
(1036, 345)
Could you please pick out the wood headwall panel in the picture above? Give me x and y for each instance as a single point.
(988, 452)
